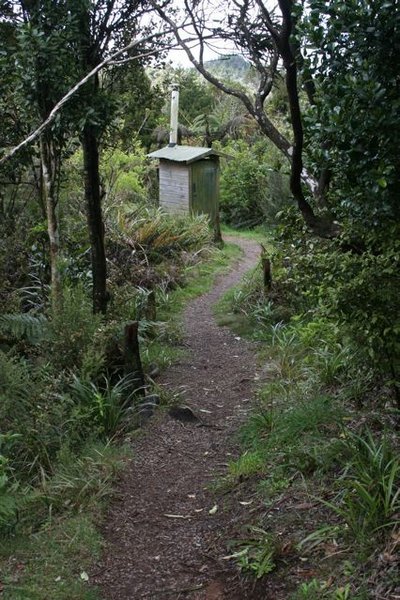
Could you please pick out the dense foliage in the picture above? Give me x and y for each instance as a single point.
(352, 129)
(254, 185)
(354, 126)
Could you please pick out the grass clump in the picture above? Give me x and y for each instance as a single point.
(369, 496)
(51, 563)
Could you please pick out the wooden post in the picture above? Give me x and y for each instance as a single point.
(267, 271)
(132, 361)
(151, 307)
(266, 265)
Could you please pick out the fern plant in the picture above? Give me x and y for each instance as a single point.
(8, 490)
(25, 326)
(256, 555)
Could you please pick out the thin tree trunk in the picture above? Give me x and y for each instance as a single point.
(48, 169)
(151, 306)
(95, 218)
(217, 235)
(90, 146)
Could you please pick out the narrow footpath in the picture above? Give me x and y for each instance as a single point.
(166, 532)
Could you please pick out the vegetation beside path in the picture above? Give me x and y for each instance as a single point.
(59, 465)
(319, 459)
(320, 451)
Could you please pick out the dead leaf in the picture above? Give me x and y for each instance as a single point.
(287, 548)
(203, 568)
(389, 558)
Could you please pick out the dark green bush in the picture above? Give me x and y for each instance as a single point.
(355, 287)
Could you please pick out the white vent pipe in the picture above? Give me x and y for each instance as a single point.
(173, 132)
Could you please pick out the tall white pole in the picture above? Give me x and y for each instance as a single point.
(173, 132)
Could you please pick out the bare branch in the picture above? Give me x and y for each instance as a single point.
(199, 64)
(268, 20)
(255, 109)
(111, 60)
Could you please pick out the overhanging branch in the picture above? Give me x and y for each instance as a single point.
(255, 108)
(111, 60)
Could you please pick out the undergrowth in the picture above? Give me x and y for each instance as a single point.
(67, 407)
(320, 451)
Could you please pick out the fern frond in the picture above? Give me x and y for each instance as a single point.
(25, 325)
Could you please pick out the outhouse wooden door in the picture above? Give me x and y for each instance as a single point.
(204, 192)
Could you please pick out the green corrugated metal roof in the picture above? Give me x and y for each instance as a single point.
(185, 154)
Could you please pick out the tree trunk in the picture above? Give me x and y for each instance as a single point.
(267, 275)
(95, 218)
(89, 58)
(266, 269)
(48, 171)
(324, 225)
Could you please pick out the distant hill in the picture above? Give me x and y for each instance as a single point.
(231, 66)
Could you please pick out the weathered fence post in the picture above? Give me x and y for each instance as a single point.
(132, 361)
(151, 307)
(267, 271)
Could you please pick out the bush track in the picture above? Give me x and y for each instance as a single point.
(149, 554)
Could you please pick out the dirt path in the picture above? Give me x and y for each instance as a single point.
(152, 555)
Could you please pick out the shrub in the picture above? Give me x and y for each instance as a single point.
(254, 187)
(84, 478)
(146, 247)
(156, 235)
(102, 411)
(355, 289)
(124, 176)
(72, 330)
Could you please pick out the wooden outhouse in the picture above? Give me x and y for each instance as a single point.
(188, 180)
